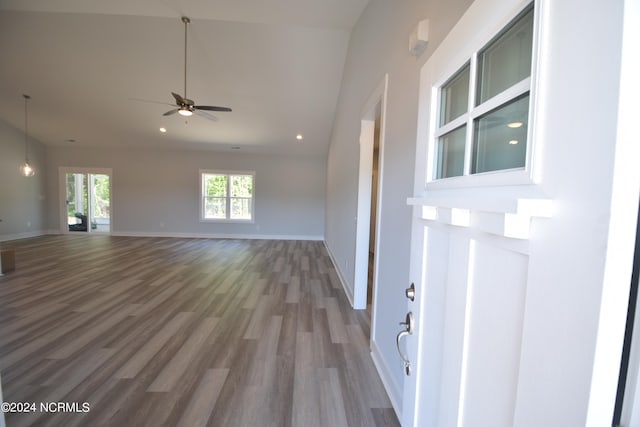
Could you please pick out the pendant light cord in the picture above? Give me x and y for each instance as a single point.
(26, 129)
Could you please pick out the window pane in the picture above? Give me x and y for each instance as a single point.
(240, 208)
(454, 96)
(451, 153)
(506, 60)
(215, 208)
(100, 196)
(500, 140)
(215, 185)
(241, 185)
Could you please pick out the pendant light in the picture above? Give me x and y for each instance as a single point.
(26, 168)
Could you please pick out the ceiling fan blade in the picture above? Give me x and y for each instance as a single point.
(180, 100)
(206, 115)
(149, 101)
(170, 112)
(210, 108)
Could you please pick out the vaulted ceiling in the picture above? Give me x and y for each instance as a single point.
(99, 72)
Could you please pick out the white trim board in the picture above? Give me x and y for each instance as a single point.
(216, 236)
(343, 282)
(10, 237)
(393, 391)
(25, 235)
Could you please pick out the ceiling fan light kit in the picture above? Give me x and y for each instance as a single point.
(183, 111)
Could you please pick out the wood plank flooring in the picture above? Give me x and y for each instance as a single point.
(184, 332)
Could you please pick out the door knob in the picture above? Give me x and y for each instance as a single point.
(408, 330)
(410, 292)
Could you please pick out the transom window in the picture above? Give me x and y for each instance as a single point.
(226, 196)
(483, 109)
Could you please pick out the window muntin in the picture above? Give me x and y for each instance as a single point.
(499, 96)
(227, 196)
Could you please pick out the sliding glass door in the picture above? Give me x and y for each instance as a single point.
(87, 200)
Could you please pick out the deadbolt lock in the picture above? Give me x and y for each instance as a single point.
(410, 292)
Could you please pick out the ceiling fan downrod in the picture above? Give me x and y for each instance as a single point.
(186, 22)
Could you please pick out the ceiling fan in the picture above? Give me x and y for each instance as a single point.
(186, 107)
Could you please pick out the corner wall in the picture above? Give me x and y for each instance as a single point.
(22, 200)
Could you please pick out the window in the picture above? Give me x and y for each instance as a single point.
(483, 109)
(227, 196)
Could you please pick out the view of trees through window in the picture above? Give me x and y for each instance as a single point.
(227, 196)
(101, 191)
(88, 196)
(77, 194)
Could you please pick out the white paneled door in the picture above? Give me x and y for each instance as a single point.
(523, 225)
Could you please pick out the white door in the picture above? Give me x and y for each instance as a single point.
(525, 203)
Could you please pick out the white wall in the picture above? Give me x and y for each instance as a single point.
(22, 200)
(156, 192)
(379, 45)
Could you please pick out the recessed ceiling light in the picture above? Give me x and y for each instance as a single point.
(299, 137)
(513, 142)
(515, 125)
(163, 130)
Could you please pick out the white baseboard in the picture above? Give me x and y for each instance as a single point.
(348, 292)
(25, 235)
(393, 390)
(18, 236)
(218, 236)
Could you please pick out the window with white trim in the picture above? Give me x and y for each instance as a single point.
(226, 196)
(483, 108)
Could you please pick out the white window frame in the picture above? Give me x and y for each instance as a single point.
(228, 197)
(439, 71)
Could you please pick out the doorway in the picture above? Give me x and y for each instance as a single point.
(85, 200)
(374, 211)
(369, 200)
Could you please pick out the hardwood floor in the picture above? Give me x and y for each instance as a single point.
(189, 332)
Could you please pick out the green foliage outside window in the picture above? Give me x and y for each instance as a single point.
(222, 192)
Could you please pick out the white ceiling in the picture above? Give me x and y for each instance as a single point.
(89, 64)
